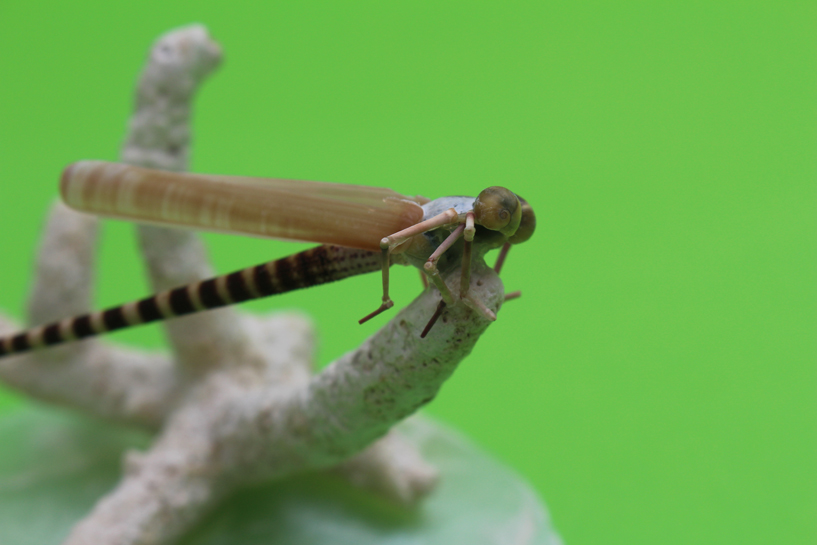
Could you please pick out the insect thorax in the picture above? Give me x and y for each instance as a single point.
(438, 206)
(484, 240)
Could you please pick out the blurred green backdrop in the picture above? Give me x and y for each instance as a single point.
(656, 382)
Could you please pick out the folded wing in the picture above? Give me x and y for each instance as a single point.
(329, 213)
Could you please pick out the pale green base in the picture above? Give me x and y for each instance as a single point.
(55, 465)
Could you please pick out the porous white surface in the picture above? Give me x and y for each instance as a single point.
(236, 402)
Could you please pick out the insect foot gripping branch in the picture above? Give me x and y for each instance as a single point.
(440, 237)
(235, 402)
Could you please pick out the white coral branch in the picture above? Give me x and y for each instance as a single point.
(114, 383)
(237, 404)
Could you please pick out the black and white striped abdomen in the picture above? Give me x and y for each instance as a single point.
(302, 270)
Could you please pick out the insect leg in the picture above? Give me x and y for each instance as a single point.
(387, 302)
(389, 243)
(477, 305)
(444, 218)
(465, 279)
(467, 298)
(430, 266)
(500, 260)
(513, 295)
(433, 319)
(424, 279)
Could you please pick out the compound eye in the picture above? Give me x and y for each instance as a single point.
(498, 209)
(527, 226)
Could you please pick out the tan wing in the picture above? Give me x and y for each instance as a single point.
(348, 215)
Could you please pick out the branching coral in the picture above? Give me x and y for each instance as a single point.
(237, 402)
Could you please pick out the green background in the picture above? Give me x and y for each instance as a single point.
(656, 382)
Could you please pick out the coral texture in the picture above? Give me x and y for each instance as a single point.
(237, 401)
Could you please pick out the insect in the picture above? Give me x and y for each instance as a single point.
(362, 229)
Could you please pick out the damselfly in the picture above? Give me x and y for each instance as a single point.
(361, 229)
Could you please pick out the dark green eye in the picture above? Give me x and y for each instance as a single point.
(498, 209)
(526, 226)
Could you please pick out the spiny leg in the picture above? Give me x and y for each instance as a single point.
(389, 243)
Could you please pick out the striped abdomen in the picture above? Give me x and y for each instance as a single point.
(302, 270)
